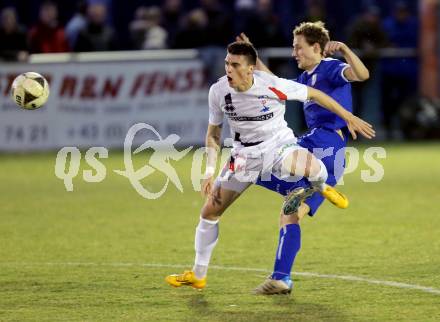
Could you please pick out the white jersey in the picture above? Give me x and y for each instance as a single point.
(256, 115)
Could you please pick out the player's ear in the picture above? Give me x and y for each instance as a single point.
(316, 48)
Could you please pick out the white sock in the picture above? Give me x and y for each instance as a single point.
(205, 241)
(318, 180)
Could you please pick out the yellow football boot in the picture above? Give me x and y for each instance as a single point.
(335, 197)
(187, 278)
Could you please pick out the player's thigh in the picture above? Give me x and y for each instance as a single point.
(217, 202)
(300, 162)
(227, 188)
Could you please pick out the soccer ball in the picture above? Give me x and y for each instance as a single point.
(30, 90)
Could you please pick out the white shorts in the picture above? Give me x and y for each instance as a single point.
(247, 164)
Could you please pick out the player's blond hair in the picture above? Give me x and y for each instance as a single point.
(313, 32)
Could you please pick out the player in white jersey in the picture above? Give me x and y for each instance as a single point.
(253, 102)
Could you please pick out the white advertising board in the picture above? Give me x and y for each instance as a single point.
(95, 103)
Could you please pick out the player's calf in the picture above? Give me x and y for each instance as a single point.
(295, 198)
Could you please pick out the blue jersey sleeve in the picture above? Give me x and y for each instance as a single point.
(335, 72)
(300, 79)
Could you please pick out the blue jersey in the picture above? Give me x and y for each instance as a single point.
(317, 138)
(328, 77)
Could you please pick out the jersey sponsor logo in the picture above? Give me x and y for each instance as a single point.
(229, 108)
(264, 117)
(263, 99)
(228, 101)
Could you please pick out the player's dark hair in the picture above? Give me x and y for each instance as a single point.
(313, 32)
(244, 49)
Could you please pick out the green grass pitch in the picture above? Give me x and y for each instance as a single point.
(101, 252)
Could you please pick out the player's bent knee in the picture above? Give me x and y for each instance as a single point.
(315, 167)
(211, 212)
(289, 163)
(298, 163)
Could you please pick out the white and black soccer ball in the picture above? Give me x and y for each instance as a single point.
(30, 90)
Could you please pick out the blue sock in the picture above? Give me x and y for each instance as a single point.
(288, 246)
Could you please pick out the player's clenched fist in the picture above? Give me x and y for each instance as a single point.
(333, 47)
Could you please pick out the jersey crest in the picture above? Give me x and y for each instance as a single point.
(263, 101)
(314, 77)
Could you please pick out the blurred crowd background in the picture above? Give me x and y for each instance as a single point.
(29, 27)
(102, 25)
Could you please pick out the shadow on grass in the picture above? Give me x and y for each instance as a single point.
(278, 308)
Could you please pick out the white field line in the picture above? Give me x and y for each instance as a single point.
(351, 278)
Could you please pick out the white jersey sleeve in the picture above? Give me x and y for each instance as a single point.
(287, 90)
(215, 111)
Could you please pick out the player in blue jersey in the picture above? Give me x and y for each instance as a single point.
(253, 102)
(326, 137)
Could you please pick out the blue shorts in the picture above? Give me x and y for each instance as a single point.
(331, 143)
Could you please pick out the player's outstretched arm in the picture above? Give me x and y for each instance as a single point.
(357, 71)
(260, 65)
(354, 123)
(212, 143)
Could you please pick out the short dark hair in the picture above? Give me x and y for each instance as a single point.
(244, 49)
(313, 32)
